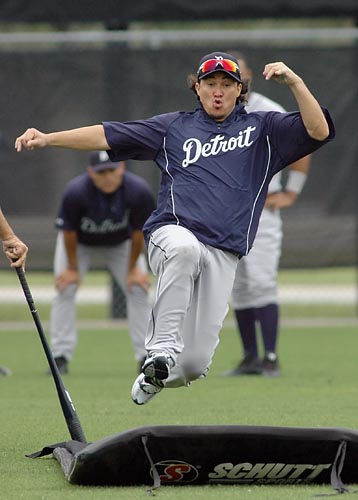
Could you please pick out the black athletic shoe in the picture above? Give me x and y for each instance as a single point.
(270, 365)
(151, 380)
(250, 365)
(62, 365)
(4, 371)
(157, 366)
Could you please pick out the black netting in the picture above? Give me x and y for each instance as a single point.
(118, 302)
(53, 88)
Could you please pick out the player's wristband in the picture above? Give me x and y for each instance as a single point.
(295, 182)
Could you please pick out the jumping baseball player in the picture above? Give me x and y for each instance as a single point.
(102, 212)
(217, 163)
(255, 294)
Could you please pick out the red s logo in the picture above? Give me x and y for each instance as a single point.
(175, 472)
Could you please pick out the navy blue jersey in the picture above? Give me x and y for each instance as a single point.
(215, 176)
(105, 219)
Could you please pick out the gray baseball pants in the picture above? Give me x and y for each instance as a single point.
(255, 282)
(193, 290)
(63, 329)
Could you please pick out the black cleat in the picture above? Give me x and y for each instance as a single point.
(157, 366)
(62, 365)
(250, 365)
(270, 365)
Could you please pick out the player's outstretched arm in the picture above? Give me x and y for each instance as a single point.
(311, 112)
(85, 138)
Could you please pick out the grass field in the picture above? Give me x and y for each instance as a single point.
(331, 277)
(318, 388)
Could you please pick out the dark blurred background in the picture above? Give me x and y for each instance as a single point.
(69, 64)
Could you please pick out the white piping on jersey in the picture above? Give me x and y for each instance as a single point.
(258, 194)
(170, 175)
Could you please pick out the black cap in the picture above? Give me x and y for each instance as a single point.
(99, 160)
(220, 56)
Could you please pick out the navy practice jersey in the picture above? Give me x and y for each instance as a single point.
(215, 176)
(105, 219)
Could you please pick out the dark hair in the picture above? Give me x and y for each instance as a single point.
(192, 79)
(239, 55)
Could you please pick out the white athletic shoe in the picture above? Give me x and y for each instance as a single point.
(144, 389)
(155, 369)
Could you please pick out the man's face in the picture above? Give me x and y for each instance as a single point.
(108, 180)
(218, 93)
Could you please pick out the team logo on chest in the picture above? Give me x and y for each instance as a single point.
(193, 147)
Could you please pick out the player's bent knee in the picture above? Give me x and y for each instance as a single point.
(196, 369)
(69, 292)
(186, 256)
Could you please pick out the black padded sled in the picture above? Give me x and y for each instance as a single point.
(200, 455)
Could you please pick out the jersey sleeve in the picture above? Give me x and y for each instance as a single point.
(137, 140)
(289, 136)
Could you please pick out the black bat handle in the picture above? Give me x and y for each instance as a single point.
(67, 405)
(25, 287)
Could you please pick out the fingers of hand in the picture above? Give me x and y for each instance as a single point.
(16, 258)
(142, 282)
(60, 284)
(275, 70)
(18, 263)
(25, 140)
(18, 251)
(62, 281)
(146, 286)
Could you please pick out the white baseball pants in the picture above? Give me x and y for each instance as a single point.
(193, 290)
(256, 275)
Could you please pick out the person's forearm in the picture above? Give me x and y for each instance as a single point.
(70, 240)
(301, 165)
(137, 248)
(297, 175)
(5, 229)
(311, 112)
(85, 138)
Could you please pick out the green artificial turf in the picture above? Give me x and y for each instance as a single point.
(323, 276)
(327, 277)
(318, 388)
